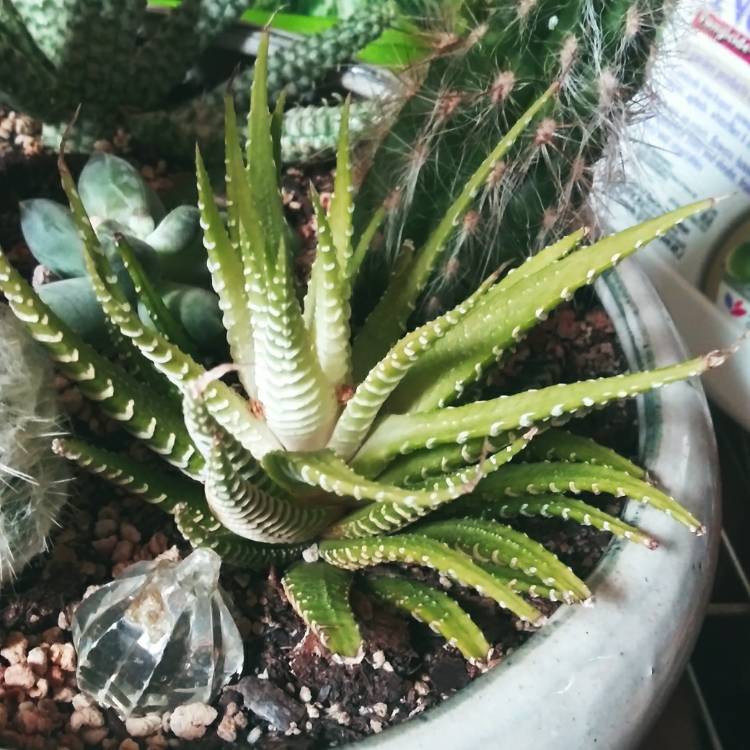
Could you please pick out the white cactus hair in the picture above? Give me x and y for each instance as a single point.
(32, 478)
(594, 70)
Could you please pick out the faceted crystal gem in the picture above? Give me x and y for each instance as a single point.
(157, 637)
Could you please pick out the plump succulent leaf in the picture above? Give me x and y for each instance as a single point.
(402, 433)
(557, 444)
(435, 609)
(546, 477)
(493, 508)
(51, 235)
(392, 515)
(429, 553)
(237, 493)
(146, 415)
(320, 595)
(488, 541)
(362, 409)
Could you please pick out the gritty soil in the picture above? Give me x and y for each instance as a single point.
(291, 694)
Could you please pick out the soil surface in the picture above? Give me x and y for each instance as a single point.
(291, 694)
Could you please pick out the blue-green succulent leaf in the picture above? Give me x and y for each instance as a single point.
(50, 233)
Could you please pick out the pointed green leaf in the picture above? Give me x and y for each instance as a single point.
(143, 413)
(388, 516)
(510, 310)
(365, 242)
(560, 445)
(227, 278)
(556, 506)
(389, 318)
(151, 484)
(362, 409)
(523, 479)
(488, 541)
(159, 313)
(342, 203)
(403, 433)
(328, 295)
(319, 594)
(413, 549)
(436, 609)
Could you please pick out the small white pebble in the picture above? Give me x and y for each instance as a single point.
(19, 675)
(254, 735)
(376, 726)
(37, 660)
(190, 722)
(15, 647)
(380, 709)
(305, 694)
(378, 659)
(143, 726)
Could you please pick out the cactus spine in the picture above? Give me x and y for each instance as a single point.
(597, 51)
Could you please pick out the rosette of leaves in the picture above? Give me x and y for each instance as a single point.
(127, 67)
(166, 255)
(345, 443)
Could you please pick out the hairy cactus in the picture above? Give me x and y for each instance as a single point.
(32, 479)
(126, 69)
(486, 74)
(316, 443)
(138, 234)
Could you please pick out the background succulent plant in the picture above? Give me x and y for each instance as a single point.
(495, 59)
(126, 67)
(168, 245)
(32, 479)
(342, 446)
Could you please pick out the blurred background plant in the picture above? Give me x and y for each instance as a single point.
(32, 479)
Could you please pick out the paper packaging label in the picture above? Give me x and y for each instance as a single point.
(697, 145)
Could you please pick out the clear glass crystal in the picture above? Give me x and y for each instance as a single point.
(157, 637)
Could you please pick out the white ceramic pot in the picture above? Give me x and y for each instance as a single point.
(596, 677)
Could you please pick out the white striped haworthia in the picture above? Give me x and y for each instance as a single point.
(344, 443)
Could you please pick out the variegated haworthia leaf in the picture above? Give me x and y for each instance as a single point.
(402, 433)
(320, 595)
(560, 445)
(392, 515)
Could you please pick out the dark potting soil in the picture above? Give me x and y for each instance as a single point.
(291, 694)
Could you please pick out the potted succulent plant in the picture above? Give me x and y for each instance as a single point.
(334, 451)
(361, 451)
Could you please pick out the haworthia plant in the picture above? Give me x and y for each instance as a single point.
(127, 68)
(311, 449)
